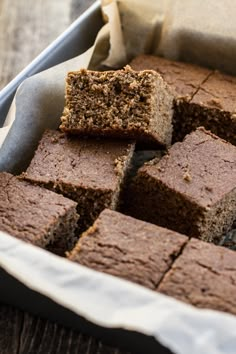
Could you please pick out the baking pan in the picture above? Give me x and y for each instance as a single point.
(16, 285)
(72, 42)
(15, 293)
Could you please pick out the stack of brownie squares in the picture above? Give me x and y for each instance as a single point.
(139, 181)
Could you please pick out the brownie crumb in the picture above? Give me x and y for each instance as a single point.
(187, 177)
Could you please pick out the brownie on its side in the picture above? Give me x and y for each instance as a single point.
(121, 103)
(204, 275)
(128, 248)
(191, 190)
(89, 171)
(202, 97)
(36, 215)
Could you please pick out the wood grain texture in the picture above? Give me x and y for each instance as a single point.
(41, 336)
(11, 322)
(26, 28)
(21, 333)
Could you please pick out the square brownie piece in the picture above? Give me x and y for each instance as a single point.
(36, 215)
(204, 275)
(191, 190)
(125, 247)
(201, 97)
(184, 81)
(122, 103)
(89, 171)
(214, 107)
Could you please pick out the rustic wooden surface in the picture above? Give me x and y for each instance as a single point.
(21, 333)
(26, 28)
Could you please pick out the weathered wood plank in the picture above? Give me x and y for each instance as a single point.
(27, 27)
(22, 333)
(42, 336)
(11, 322)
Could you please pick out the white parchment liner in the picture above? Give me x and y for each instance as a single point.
(162, 27)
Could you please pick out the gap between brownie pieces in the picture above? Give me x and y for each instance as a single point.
(142, 138)
(199, 86)
(174, 257)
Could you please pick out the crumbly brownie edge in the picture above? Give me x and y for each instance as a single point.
(80, 78)
(219, 220)
(123, 165)
(161, 123)
(134, 124)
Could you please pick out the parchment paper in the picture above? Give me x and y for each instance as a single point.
(177, 29)
(198, 31)
(112, 302)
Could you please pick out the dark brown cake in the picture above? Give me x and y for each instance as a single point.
(202, 97)
(204, 275)
(128, 248)
(36, 215)
(191, 190)
(121, 103)
(183, 79)
(214, 106)
(91, 172)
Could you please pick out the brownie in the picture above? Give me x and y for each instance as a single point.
(202, 97)
(89, 171)
(214, 106)
(183, 79)
(132, 249)
(192, 189)
(204, 275)
(122, 103)
(36, 215)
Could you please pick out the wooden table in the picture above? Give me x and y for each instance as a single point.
(26, 28)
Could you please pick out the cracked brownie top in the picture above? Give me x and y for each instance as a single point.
(204, 275)
(132, 249)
